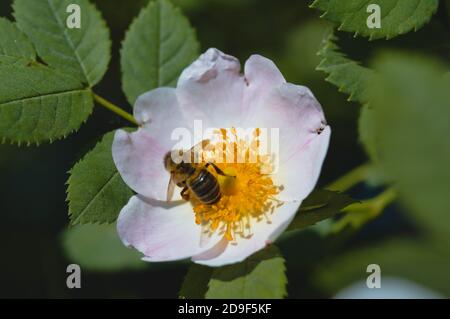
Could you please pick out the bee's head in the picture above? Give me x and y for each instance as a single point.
(169, 163)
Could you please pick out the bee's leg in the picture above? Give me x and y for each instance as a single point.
(185, 194)
(217, 169)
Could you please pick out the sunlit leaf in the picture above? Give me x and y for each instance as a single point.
(158, 46)
(98, 248)
(15, 48)
(39, 104)
(397, 16)
(96, 192)
(83, 53)
(262, 275)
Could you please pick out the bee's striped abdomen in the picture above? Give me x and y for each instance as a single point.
(205, 187)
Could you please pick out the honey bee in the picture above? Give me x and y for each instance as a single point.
(193, 178)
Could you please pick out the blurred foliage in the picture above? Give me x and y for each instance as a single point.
(318, 206)
(416, 260)
(299, 59)
(319, 262)
(409, 137)
(98, 248)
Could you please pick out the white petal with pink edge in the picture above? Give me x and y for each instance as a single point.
(300, 173)
(262, 76)
(264, 233)
(162, 231)
(139, 155)
(212, 88)
(303, 137)
(139, 160)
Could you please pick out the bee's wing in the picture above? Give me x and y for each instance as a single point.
(193, 152)
(203, 143)
(170, 188)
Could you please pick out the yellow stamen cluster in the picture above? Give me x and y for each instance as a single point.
(247, 194)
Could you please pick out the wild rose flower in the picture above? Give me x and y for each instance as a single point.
(255, 207)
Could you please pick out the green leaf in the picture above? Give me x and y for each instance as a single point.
(96, 192)
(195, 283)
(397, 16)
(98, 248)
(39, 104)
(83, 53)
(319, 205)
(411, 108)
(348, 75)
(15, 48)
(262, 275)
(158, 46)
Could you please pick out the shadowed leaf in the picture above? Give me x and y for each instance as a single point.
(195, 283)
(261, 275)
(318, 206)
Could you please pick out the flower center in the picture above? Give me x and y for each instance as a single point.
(247, 193)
